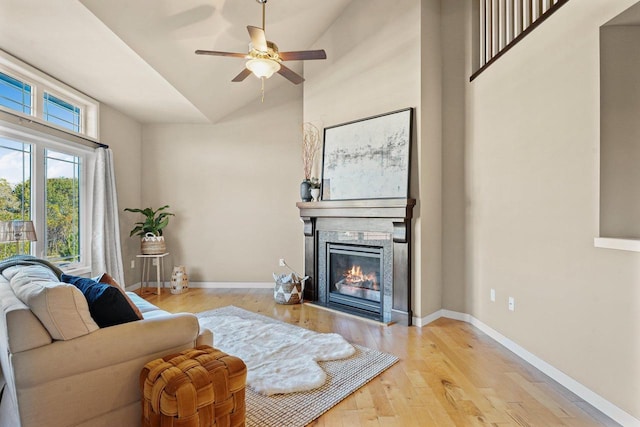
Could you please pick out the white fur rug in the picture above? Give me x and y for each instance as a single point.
(280, 358)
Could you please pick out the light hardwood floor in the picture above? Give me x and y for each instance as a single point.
(449, 374)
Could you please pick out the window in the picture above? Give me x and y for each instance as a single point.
(53, 197)
(60, 112)
(15, 189)
(62, 207)
(15, 94)
(43, 163)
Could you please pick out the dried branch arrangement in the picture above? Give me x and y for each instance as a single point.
(310, 146)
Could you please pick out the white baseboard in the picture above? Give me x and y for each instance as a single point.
(215, 285)
(603, 405)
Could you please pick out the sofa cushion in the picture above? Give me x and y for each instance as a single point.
(107, 279)
(60, 307)
(108, 306)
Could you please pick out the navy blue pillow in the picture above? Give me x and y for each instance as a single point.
(107, 305)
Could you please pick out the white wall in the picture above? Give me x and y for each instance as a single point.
(233, 186)
(533, 180)
(124, 137)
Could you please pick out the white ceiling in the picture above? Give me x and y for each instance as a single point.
(138, 55)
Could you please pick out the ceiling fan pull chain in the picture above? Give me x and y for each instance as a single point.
(262, 79)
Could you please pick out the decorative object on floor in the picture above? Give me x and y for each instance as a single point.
(310, 147)
(368, 158)
(343, 377)
(150, 230)
(289, 288)
(17, 231)
(264, 59)
(196, 387)
(179, 280)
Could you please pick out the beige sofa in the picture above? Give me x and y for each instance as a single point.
(86, 380)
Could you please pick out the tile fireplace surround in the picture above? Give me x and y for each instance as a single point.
(380, 224)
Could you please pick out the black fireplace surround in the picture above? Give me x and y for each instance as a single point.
(358, 257)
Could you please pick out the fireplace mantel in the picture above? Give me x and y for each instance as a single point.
(391, 216)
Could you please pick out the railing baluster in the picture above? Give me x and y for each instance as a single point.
(501, 23)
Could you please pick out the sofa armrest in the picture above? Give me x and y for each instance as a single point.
(205, 338)
(105, 347)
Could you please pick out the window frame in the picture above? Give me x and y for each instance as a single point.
(39, 144)
(42, 83)
(44, 135)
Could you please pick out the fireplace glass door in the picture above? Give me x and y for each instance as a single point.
(354, 274)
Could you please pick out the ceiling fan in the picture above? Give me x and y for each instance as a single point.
(264, 59)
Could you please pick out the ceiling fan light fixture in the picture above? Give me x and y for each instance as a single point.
(263, 67)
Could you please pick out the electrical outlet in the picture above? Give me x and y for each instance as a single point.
(282, 262)
(133, 263)
(512, 304)
(154, 262)
(493, 295)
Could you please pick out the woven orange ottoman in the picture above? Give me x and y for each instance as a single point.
(199, 387)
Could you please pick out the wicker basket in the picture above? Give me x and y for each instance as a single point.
(197, 387)
(152, 245)
(288, 289)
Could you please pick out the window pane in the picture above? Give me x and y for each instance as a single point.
(15, 189)
(15, 94)
(62, 207)
(61, 113)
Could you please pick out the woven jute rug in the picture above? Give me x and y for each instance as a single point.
(300, 408)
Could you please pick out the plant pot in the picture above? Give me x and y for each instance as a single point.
(305, 190)
(152, 245)
(315, 193)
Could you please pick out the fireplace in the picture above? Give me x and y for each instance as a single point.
(354, 279)
(358, 257)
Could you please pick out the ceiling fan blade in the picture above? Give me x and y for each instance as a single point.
(302, 55)
(290, 75)
(243, 75)
(216, 53)
(258, 39)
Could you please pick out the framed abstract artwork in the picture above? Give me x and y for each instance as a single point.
(368, 158)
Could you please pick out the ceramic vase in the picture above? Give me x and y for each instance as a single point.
(179, 280)
(315, 193)
(305, 190)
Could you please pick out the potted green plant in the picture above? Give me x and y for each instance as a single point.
(150, 230)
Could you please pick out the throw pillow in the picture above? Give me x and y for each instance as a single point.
(108, 280)
(60, 307)
(106, 304)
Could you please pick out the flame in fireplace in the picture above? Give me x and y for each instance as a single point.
(355, 277)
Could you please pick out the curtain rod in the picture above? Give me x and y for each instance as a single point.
(35, 124)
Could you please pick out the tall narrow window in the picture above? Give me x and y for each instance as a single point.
(61, 113)
(15, 188)
(62, 207)
(15, 94)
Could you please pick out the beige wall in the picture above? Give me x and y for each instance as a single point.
(373, 67)
(620, 132)
(233, 186)
(124, 137)
(533, 179)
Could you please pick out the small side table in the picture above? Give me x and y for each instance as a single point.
(147, 263)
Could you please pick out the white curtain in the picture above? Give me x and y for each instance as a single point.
(106, 254)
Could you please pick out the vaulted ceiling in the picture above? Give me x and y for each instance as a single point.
(138, 55)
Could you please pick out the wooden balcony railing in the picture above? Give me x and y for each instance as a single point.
(503, 23)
